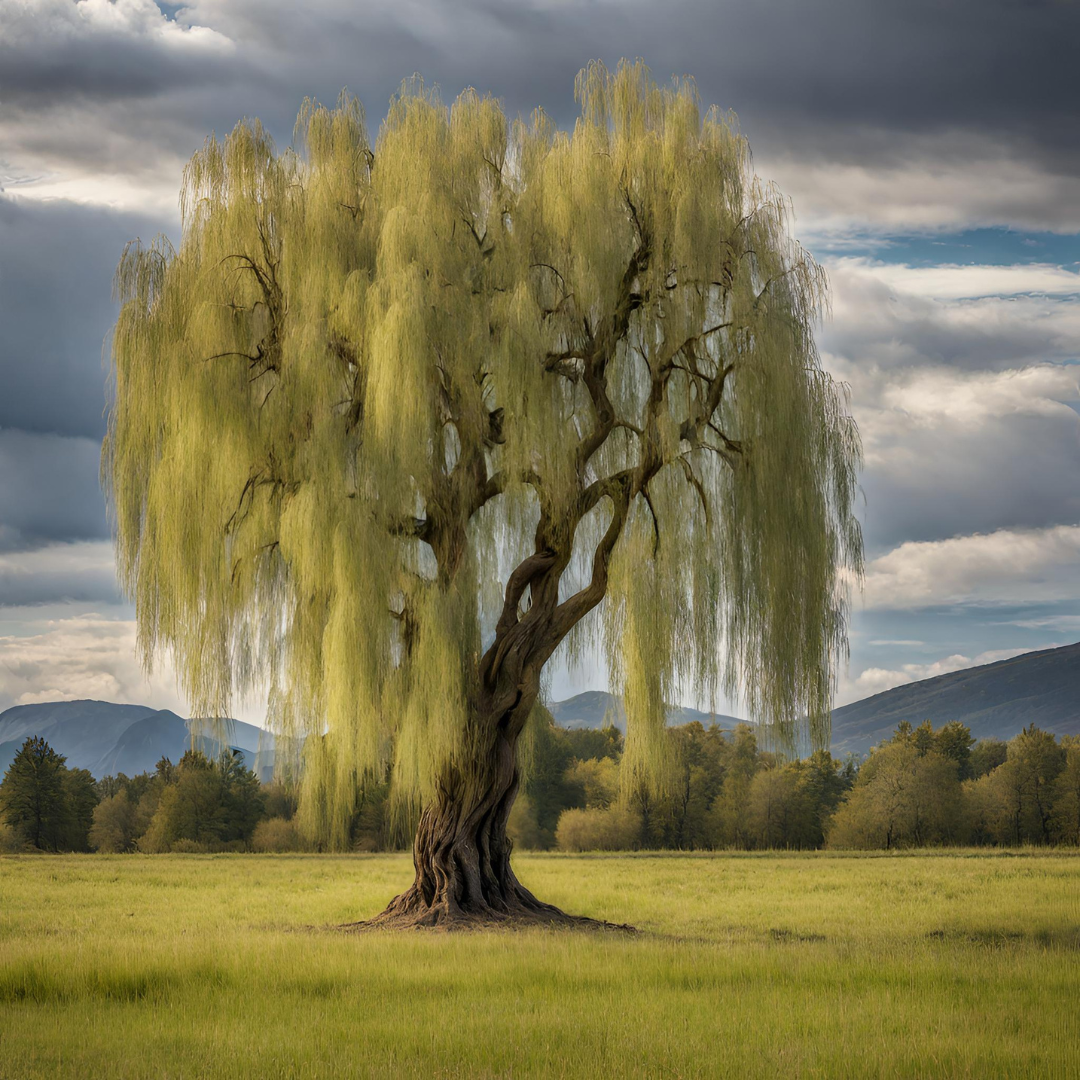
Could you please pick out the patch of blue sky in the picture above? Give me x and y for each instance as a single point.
(970, 247)
(889, 638)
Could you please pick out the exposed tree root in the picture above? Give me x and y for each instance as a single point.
(523, 911)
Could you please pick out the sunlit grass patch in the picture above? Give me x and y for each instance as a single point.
(764, 965)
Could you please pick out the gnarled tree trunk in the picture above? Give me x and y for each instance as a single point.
(461, 851)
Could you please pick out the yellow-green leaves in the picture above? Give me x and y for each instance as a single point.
(346, 400)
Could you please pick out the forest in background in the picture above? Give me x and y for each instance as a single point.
(720, 790)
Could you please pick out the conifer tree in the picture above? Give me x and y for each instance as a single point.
(33, 799)
(397, 417)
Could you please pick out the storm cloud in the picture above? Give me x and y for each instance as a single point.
(56, 265)
(840, 98)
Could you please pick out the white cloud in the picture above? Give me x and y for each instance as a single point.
(850, 169)
(72, 654)
(967, 407)
(80, 656)
(156, 195)
(950, 281)
(1004, 566)
(929, 396)
(941, 182)
(884, 319)
(104, 100)
(31, 24)
(1069, 624)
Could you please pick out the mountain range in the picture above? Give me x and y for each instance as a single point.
(994, 701)
(597, 708)
(108, 739)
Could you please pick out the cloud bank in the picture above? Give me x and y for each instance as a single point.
(879, 120)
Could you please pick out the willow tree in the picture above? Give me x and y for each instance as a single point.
(397, 417)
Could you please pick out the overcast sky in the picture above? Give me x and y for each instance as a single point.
(932, 153)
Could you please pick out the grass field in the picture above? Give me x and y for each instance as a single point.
(932, 964)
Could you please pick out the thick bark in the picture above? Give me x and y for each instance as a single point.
(461, 852)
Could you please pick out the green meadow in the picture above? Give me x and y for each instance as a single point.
(946, 963)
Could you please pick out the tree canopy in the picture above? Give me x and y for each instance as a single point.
(397, 415)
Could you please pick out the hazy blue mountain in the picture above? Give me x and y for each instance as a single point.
(107, 738)
(80, 730)
(591, 710)
(164, 734)
(994, 700)
(144, 744)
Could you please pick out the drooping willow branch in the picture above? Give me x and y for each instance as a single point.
(394, 420)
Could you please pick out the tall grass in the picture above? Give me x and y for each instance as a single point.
(933, 964)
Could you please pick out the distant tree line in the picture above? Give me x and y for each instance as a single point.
(199, 804)
(922, 787)
(721, 790)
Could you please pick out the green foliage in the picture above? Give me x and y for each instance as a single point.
(550, 754)
(723, 792)
(789, 805)
(598, 779)
(11, 841)
(279, 800)
(1015, 803)
(777, 813)
(1067, 792)
(697, 757)
(203, 805)
(986, 756)
(115, 827)
(728, 821)
(523, 829)
(612, 828)
(374, 377)
(46, 805)
(953, 740)
(276, 834)
(81, 798)
(902, 797)
(32, 795)
(351, 814)
(825, 782)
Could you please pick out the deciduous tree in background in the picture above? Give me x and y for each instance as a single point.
(207, 805)
(115, 824)
(903, 796)
(396, 418)
(1067, 791)
(81, 797)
